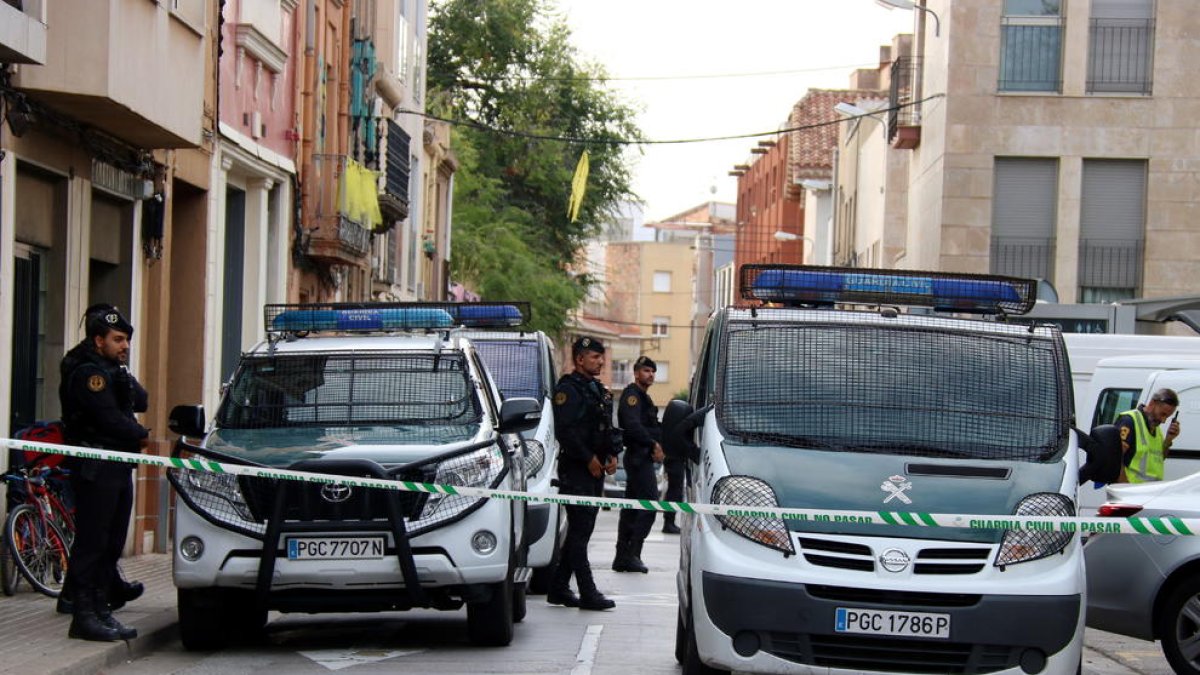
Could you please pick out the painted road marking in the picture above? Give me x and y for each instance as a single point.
(587, 650)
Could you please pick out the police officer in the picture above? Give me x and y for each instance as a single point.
(1144, 446)
(674, 467)
(99, 397)
(638, 417)
(587, 450)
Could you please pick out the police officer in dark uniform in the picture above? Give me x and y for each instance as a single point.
(674, 467)
(588, 447)
(99, 398)
(638, 417)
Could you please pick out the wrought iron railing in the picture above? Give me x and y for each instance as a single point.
(1110, 263)
(905, 91)
(1031, 54)
(1121, 56)
(1029, 257)
(353, 236)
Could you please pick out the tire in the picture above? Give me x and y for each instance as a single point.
(9, 576)
(1179, 620)
(680, 638)
(38, 549)
(692, 665)
(202, 619)
(539, 581)
(518, 603)
(490, 623)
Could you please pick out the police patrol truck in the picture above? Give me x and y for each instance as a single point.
(868, 390)
(386, 391)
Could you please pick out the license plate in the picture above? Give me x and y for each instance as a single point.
(882, 622)
(335, 548)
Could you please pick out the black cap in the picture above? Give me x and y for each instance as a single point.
(101, 318)
(645, 362)
(585, 343)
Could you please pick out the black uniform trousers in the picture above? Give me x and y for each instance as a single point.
(640, 483)
(581, 521)
(103, 503)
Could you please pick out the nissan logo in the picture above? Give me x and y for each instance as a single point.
(894, 560)
(335, 493)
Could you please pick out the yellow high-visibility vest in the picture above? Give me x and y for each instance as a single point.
(1147, 464)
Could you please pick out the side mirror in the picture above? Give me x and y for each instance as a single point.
(676, 433)
(519, 414)
(187, 420)
(1103, 449)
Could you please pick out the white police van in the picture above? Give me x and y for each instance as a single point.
(522, 363)
(835, 398)
(388, 391)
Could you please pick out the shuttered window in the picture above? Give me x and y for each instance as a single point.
(1112, 228)
(1023, 217)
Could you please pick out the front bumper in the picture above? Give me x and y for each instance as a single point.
(795, 622)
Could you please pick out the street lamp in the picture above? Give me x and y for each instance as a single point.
(909, 4)
(780, 235)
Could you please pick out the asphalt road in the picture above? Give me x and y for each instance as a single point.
(635, 638)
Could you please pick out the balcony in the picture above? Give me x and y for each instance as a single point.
(1110, 263)
(339, 241)
(23, 31)
(134, 70)
(1029, 257)
(1121, 56)
(393, 202)
(904, 123)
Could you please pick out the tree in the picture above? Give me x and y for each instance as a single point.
(509, 66)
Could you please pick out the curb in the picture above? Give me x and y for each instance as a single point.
(154, 631)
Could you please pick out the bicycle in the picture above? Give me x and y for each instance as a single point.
(35, 531)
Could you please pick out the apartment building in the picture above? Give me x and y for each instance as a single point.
(104, 197)
(1050, 138)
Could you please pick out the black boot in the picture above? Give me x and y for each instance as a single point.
(65, 603)
(104, 613)
(590, 597)
(635, 558)
(560, 592)
(621, 561)
(124, 591)
(85, 624)
(669, 526)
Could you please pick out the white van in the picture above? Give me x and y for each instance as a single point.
(823, 406)
(1087, 350)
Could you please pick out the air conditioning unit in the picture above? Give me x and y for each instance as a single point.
(256, 125)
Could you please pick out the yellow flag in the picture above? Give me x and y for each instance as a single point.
(578, 186)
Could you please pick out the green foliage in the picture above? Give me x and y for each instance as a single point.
(681, 395)
(509, 64)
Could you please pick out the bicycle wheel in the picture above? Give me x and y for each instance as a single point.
(9, 576)
(38, 548)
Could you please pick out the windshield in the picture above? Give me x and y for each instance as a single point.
(515, 365)
(350, 390)
(907, 390)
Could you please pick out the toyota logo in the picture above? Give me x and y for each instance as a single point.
(335, 493)
(894, 560)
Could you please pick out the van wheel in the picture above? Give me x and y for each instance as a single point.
(490, 623)
(692, 665)
(246, 622)
(201, 619)
(681, 639)
(518, 603)
(1179, 621)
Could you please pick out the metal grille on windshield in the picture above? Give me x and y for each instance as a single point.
(915, 388)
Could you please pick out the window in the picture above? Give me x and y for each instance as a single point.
(659, 325)
(1113, 402)
(1031, 45)
(663, 373)
(662, 282)
(191, 13)
(1023, 217)
(1112, 224)
(1121, 46)
(621, 374)
(402, 43)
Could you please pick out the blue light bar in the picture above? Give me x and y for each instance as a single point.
(812, 285)
(488, 315)
(361, 319)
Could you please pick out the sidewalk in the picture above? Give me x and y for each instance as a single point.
(35, 636)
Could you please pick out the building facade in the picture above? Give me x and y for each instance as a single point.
(1054, 140)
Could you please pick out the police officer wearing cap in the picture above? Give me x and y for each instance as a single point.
(99, 397)
(638, 417)
(588, 449)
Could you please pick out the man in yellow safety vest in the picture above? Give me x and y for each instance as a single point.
(1144, 446)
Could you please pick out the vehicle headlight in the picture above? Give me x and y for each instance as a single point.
(215, 493)
(535, 457)
(478, 469)
(765, 529)
(1024, 545)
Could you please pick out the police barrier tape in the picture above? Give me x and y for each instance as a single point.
(1130, 525)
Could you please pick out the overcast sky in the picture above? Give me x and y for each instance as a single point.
(656, 38)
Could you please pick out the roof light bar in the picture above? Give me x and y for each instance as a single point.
(392, 316)
(962, 293)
